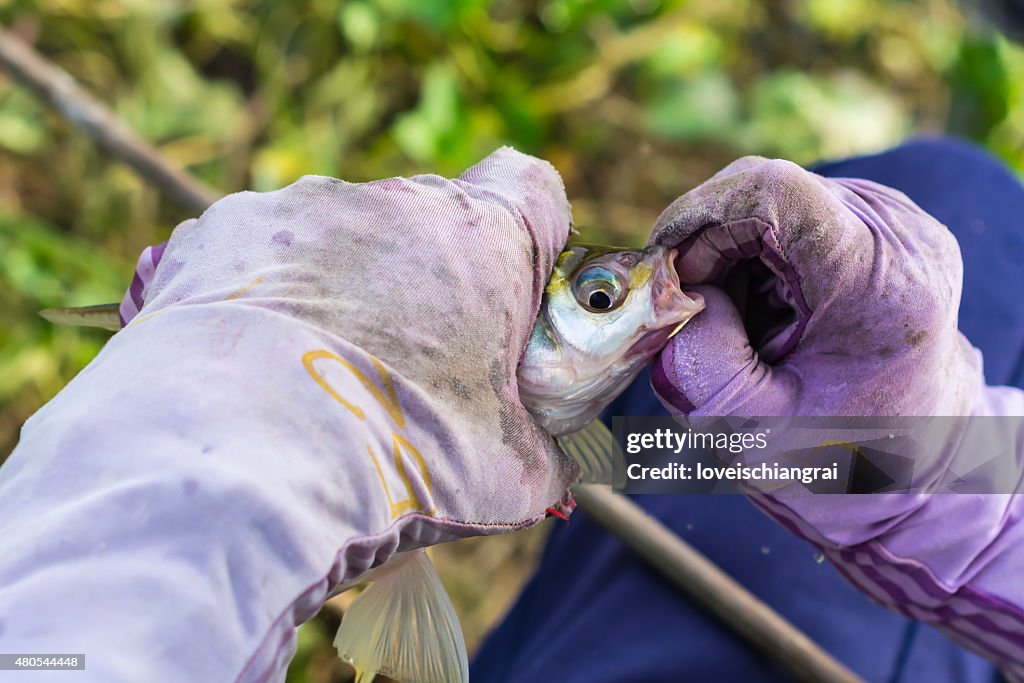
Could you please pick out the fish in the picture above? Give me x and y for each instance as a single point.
(605, 312)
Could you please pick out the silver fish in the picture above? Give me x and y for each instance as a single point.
(605, 313)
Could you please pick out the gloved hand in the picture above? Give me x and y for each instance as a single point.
(850, 291)
(318, 377)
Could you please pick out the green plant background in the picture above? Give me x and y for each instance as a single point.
(634, 101)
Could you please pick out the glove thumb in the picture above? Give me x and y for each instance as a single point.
(710, 369)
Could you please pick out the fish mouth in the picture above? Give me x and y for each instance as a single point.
(671, 305)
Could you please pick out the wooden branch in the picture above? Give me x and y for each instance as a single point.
(92, 117)
(712, 588)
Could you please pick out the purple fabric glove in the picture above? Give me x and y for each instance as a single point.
(318, 377)
(850, 293)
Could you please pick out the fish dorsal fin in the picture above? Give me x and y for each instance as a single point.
(106, 316)
(404, 626)
(596, 452)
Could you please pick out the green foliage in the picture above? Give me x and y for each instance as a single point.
(635, 101)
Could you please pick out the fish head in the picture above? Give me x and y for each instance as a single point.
(605, 313)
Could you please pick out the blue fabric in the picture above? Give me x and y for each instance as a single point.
(593, 613)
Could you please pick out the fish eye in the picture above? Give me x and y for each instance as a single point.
(599, 289)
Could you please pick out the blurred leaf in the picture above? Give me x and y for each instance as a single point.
(690, 50)
(21, 128)
(705, 108)
(360, 24)
(433, 129)
(806, 119)
(42, 266)
(981, 87)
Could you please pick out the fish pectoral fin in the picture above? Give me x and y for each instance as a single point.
(106, 316)
(404, 626)
(594, 449)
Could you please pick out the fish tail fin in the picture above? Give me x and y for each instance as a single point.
(404, 626)
(106, 316)
(596, 452)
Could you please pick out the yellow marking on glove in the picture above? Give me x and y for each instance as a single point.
(389, 402)
(238, 293)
